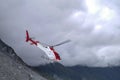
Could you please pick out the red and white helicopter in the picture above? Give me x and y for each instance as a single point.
(49, 50)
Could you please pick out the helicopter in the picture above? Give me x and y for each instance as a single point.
(48, 50)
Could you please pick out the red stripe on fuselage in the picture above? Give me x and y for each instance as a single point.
(55, 53)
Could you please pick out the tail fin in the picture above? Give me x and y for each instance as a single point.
(27, 36)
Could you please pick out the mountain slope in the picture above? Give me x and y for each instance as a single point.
(12, 67)
(79, 72)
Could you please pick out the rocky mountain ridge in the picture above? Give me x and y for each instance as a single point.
(13, 68)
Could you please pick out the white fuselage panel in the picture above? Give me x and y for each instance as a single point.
(47, 50)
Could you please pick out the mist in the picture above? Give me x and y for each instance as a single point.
(92, 26)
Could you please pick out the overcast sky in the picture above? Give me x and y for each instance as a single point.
(92, 25)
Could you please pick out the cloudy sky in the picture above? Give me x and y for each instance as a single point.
(92, 25)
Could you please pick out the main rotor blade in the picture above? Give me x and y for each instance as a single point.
(61, 43)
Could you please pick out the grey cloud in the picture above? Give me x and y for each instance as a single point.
(51, 22)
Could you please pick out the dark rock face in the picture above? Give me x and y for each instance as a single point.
(12, 67)
(79, 72)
